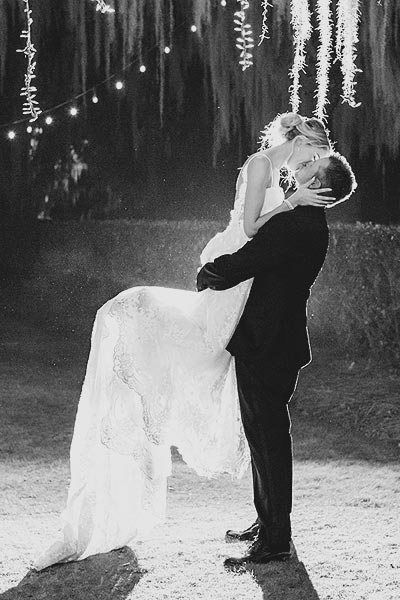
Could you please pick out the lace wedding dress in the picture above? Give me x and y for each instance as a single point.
(157, 375)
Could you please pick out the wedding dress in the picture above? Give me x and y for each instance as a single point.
(157, 375)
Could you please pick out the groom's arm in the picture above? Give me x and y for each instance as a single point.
(275, 244)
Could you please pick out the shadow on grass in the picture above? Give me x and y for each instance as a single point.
(287, 580)
(101, 577)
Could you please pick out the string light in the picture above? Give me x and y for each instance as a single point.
(11, 135)
(73, 111)
(48, 120)
(347, 37)
(103, 6)
(245, 40)
(30, 106)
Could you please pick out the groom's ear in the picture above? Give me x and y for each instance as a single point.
(316, 183)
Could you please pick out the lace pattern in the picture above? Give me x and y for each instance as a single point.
(158, 374)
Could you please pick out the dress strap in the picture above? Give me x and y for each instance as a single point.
(251, 158)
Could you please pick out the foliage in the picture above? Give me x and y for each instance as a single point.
(357, 296)
(92, 45)
(67, 191)
(194, 99)
(74, 267)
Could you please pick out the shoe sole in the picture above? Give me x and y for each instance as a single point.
(280, 557)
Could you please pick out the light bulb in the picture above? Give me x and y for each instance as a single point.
(119, 85)
(95, 99)
(29, 129)
(142, 68)
(73, 111)
(223, 2)
(11, 135)
(193, 28)
(167, 49)
(48, 120)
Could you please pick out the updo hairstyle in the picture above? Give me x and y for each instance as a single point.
(289, 125)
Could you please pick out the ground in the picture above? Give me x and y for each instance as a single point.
(346, 500)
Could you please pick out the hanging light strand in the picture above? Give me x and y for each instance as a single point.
(266, 4)
(324, 18)
(301, 24)
(30, 106)
(92, 90)
(348, 20)
(103, 6)
(245, 41)
(347, 37)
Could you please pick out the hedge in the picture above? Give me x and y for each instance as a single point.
(65, 271)
(356, 299)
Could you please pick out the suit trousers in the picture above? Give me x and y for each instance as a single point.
(265, 388)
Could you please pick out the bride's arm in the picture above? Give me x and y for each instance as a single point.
(303, 196)
(259, 177)
(267, 216)
(277, 245)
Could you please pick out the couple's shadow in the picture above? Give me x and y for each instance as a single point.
(110, 576)
(114, 575)
(287, 580)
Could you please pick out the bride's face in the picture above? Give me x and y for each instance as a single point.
(304, 153)
(309, 170)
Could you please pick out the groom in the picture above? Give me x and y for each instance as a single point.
(270, 346)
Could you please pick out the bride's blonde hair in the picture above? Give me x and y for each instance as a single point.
(289, 125)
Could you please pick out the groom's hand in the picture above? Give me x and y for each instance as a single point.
(208, 278)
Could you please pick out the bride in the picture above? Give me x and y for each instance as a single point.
(158, 373)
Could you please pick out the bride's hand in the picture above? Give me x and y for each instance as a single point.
(306, 196)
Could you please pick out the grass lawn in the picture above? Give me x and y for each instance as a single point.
(346, 502)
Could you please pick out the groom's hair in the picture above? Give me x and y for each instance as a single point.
(338, 176)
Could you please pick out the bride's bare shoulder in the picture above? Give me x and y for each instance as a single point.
(258, 155)
(259, 165)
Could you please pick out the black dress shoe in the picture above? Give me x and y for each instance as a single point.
(247, 535)
(259, 553)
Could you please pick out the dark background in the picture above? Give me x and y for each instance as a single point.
(178, 158)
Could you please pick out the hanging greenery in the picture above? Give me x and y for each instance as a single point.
(245, 40)
(301, 23)
(103, 6)
(106, 42)
(348, 16)
(323, 13)
(264, 35)
(30, 106)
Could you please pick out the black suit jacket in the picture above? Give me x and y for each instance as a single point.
(284, 257)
